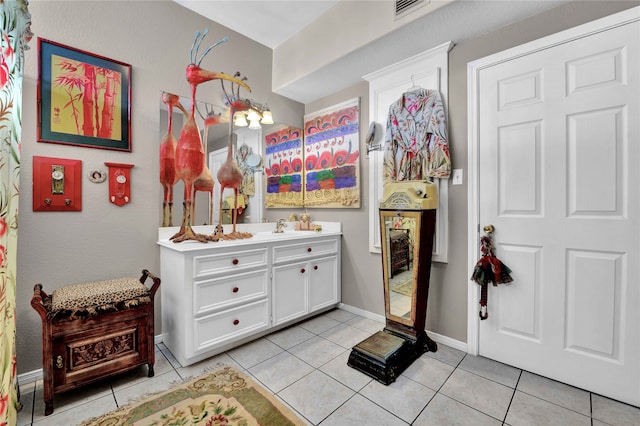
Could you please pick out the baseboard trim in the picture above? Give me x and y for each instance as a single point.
(29, 377)
(362, 313)
(439, 338)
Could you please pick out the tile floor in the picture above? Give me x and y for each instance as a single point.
(306, 367)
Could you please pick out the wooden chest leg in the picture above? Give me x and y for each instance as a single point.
(47, 362)
(48, 407)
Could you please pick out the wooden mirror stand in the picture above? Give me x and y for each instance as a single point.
(407, 225)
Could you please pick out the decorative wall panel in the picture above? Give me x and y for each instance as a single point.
(332, 156)
(284, 168)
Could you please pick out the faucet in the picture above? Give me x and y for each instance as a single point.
(279, 226)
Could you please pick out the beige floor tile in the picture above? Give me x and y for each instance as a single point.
(291, 336)
(319, 324)
(529, 410)
(79, 413)
(614, 412)
(348, 376)
(345, 335)
(254, 352)
(477, 392)
(492, 370)
(404, 398)
(317, 351)
(360, 411)
(429, 372)
(316, 396)
(443, 410)
(555, 392)
(280, 371)
(140, 390)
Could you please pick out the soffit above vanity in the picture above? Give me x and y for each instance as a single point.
(348, 39)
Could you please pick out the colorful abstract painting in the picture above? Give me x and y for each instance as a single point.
(283, 166)
(331, 156)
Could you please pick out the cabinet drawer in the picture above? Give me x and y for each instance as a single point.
(231, 324)
(219, 292)
(222, 263)
(289, 252)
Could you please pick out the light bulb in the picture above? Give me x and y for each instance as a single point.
(252, 115)
(254, 124)
(240, 120)
(267, 118)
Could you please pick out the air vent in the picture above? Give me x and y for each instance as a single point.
(405, 6)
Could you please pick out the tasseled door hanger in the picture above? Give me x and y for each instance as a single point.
(489, 269)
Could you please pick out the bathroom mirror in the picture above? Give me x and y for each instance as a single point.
(217, 147)
(401, 248)
(216, 134)
(407, 225)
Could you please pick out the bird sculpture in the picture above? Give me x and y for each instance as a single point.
(205, 181)
(229, 174)
(190, 156)
(168, 144)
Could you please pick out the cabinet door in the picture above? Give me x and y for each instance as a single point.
(289, 291)
(323, 283)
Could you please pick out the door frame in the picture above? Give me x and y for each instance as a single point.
(473, 83)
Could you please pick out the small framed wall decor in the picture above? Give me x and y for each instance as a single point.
(83, 99)
(57, 184)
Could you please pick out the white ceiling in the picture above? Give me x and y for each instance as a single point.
(271, 22)
(268, 22)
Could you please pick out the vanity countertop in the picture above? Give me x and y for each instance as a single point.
(262, 233)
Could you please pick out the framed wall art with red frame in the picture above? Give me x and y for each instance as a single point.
(83, 99)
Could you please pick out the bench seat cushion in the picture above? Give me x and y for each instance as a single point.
(89, 299)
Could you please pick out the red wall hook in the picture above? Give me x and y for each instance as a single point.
(119, 183)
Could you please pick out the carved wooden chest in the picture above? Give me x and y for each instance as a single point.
(95, 330)
(400, 252)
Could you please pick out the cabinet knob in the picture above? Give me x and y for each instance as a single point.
(315, 267)
(302, 271)
(235, 261)
(236, 322)
(235, 289)
(309, 249)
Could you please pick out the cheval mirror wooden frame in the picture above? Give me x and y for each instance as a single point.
(407, 225)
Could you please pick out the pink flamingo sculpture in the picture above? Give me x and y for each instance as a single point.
(229, 174)
(205, 181)
(190, 157)
(168, 144)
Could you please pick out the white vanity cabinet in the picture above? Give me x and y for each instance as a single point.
(305, 278)
(230, 296)
(221, 294)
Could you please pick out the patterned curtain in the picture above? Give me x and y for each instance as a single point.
(15, 26)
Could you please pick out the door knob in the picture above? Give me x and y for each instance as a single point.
(489, 229)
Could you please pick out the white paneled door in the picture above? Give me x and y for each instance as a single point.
(558, 157)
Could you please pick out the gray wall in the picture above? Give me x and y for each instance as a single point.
(362, 270)
(105, 241)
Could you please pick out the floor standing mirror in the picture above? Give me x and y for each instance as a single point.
(407, 222)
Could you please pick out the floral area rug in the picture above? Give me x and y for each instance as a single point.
(405, 288)
(224, 397)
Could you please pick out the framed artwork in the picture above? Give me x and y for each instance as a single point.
(332, 156)
(83, 99)
(283, 166)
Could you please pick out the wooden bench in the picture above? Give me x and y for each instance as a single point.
(94, 330)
